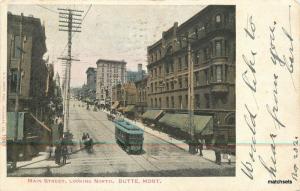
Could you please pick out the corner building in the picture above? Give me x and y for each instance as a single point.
(211, 34)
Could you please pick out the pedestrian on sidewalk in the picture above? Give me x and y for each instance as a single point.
(64, 154)
(50, 150)
(200, 147)
(57, 154)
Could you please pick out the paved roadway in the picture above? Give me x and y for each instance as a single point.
(108, 159)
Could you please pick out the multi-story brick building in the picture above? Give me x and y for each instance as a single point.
(34, 71)
(211, 34)
(109, 73)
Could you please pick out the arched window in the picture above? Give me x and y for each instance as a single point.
(218, 18)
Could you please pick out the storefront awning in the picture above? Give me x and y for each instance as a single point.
(203, 124)
(152, 114)
(129, 108)
(115, 105)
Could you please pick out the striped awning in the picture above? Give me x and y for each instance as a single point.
(203, 124)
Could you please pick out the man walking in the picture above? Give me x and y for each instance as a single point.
(57, 154)
(64, 154)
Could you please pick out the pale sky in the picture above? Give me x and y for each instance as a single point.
(108, 32)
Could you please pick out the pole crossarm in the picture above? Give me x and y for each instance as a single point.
(79, 23)
(68, 59)
(67, 13)
(69, 30)
(76, 19)
(73, 10)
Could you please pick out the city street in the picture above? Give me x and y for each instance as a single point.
(159, 158)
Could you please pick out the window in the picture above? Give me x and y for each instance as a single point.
(180, 101)
(206, 76)
(197, 78)
(167, 86)
(186, 61)
(197, 101)
(17, 46)
(159, 71)
(186, 101)
(172, 68)
(152, 87)
(13, 80)
(186, 82)
(218, 48)
(219, 73)
(155, 86)
(159, 100)
(207, 100)
(167, 69)
(172, 85)
(196, 57)
(167, 101)
(179, 64)
(180, 82)
(151, 102)
(196, 32)
(172, 102)
(218, 18)
(206, 53)
(155, 102)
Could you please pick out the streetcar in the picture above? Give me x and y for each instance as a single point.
(129, 136)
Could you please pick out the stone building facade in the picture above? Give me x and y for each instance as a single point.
(109, 74)
(211, 34)
(34, 71)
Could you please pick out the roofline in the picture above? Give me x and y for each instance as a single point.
(111, 61)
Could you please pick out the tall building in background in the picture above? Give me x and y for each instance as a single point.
(109, 73)
(91, 75)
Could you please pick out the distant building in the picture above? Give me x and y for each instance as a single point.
(141, 95)
(34, 71)
(109, 73)
(124, 94)
(91, 76)
(133, 76)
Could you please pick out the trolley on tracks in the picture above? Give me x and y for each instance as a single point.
(129, 136)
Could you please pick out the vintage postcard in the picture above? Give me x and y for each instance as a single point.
(143, 95)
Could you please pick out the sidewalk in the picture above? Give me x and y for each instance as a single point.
(42, 160)
(207, 154)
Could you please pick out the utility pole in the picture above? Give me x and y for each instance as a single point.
(70, 22)
(190, 121)
(192, 146)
